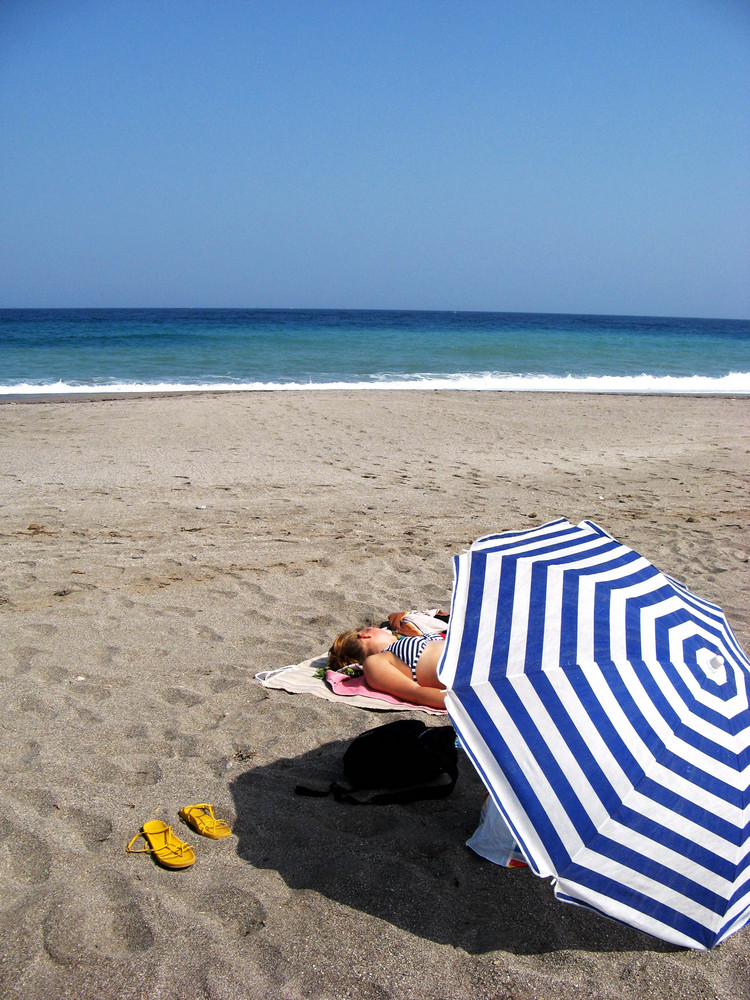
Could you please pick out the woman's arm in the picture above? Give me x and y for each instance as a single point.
(383, 676)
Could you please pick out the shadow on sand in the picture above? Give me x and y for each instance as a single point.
(408, 864)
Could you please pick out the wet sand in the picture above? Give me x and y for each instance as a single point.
(159, 551)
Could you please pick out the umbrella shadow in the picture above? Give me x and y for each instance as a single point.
(408, 864)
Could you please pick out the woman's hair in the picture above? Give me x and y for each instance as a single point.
(346, 649)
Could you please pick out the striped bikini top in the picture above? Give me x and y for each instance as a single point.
(410, 647)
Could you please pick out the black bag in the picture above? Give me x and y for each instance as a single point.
(403, 756)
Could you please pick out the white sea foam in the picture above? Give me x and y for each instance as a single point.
(733, 384)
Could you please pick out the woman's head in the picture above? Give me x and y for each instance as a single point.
(356, 644)
(347, 648)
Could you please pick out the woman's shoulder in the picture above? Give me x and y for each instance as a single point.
(385, 656)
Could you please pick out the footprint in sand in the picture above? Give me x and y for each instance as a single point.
(24, 656)
(23, 757)
(184, 746)
(27, 857)
(181, 696)
(87, 715)
(108, 655)
(108, 924)
(240, 912)
(52, 675)
(221, 684)
(30, 703)
(143, 774)
(177, 610)
(208, 633)
(93, 831)
(128, 919)
(96, 692)
(139, 732)
(45, 630)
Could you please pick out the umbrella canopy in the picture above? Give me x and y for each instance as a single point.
(606, 709)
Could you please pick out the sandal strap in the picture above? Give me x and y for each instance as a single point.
(138, 850)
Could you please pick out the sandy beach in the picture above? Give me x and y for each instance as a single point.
(158, 551)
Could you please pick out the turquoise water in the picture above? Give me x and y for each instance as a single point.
(63, 351)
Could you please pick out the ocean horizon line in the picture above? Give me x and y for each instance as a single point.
(390, 310)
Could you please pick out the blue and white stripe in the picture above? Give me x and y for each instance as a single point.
(606, 709)
(409, 648)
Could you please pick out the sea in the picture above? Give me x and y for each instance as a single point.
(106, 351)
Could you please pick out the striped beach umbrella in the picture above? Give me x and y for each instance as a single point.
(606, 709)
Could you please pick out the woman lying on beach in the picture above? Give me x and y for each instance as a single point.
(405, 668)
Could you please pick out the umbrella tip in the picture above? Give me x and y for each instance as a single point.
(716, 662)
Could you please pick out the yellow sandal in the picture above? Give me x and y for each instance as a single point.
(202, 819)
(166, 846)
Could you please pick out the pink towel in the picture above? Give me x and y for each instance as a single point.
(345, 685)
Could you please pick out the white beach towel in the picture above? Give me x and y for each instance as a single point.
(299, 678)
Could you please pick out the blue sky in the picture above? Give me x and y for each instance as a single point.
(584, 156)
